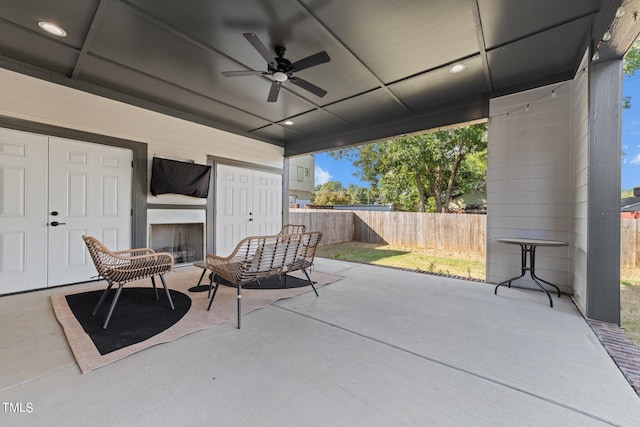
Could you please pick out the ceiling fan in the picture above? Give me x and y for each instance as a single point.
(281, 69)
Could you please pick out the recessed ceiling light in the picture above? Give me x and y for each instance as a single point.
(288, 123)
(52, 28)
(457, 68)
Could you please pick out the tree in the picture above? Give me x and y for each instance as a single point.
(410, 170)
(630, 65)
(331, 193)
(361, 195)
(631, 61)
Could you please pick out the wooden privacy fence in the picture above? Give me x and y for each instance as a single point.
(630, 243)
(465, 233)
(456, 232)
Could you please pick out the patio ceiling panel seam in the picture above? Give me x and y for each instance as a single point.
(176, 31)
(439, 67)
(88, 40)
(475, 11)
(446, 365)
(340, 44)
(41, 35)
(323, 108)
(540, 31)
(217, 101)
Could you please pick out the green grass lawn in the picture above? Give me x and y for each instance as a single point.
(430, 260)
(471, 266)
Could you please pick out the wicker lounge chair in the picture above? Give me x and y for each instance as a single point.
(126, 266)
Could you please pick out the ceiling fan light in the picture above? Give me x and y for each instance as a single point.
(52, 28)
(456, 68)
(279, 76)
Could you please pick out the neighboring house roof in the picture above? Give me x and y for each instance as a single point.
(472, 198)
(630, 204)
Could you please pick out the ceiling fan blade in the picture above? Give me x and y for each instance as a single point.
(242, 73)
(261, 48)
(310, 61)
(308, 86)
(273, 93)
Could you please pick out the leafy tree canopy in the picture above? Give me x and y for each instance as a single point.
(410, 171)
(330, 193)
(631, 61)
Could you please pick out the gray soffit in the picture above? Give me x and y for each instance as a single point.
(388, 73)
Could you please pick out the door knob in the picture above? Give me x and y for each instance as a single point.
(56, 223)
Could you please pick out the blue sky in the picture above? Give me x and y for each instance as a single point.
(328, 169)
(631, 134)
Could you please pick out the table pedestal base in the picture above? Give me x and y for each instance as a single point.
(199, 287)
(531, 268)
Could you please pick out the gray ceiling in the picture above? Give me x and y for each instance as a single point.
(388, 74)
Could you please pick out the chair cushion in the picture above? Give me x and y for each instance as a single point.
(262, 258)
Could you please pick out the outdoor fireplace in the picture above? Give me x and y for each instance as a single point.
(181, 232)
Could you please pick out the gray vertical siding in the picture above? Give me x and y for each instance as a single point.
(529, 181)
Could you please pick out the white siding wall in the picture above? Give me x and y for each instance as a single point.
(529, 181)
(302, 189)
(579, 184)
(32, 99)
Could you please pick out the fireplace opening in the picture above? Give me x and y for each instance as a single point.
(184, 241)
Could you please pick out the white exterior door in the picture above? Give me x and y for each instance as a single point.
(87, 185)
(267, 203)
(234, 198)
(248, 203)
(23, 211)
(89, 193)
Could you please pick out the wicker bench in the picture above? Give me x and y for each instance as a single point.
(260, 257)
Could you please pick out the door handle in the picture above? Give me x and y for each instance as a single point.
(56, 223)
(250, 219)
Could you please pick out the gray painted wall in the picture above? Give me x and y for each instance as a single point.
(603, 239)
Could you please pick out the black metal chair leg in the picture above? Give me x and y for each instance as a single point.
(214, 295)
(113, 305)
(304, 270)
(153, 281)
(239, 300)
(102, 298)
(166, 290)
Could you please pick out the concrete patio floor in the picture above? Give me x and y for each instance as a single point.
(381, 347)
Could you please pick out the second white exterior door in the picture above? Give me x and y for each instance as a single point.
(248, 202)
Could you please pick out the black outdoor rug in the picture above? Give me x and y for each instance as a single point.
(138, 314)
(274, 282)
(136, 317)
